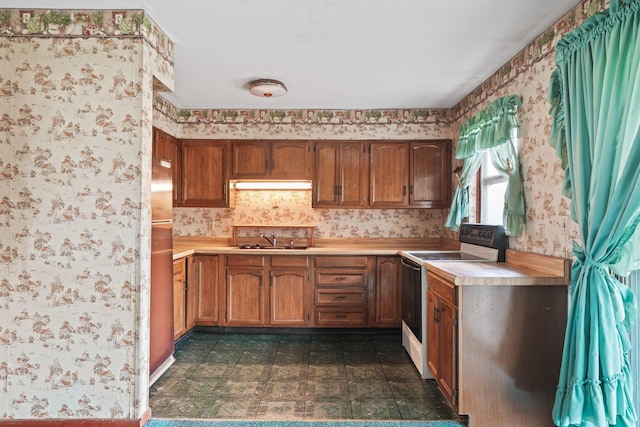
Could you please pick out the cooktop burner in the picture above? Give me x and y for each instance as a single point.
(446, 256)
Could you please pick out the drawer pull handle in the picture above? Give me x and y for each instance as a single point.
(339, 279)
(341, 316)
(339, 296)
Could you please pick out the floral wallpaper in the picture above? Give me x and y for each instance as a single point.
(294, 207)
(75, 168)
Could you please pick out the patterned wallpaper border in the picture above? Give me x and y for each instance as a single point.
(299, 117)
(31, 22)
(137, 23)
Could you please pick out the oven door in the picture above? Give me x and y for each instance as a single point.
(411, 297)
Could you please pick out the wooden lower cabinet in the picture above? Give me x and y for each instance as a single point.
(195, 293)
(267, 291)
(496, 350)
(341, 290)
(288, 298)
(258, 290)
(442, 343)
(203, 291)
(388, 304)
(245, 297)
(179, 297)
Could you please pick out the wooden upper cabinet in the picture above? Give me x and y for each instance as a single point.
(326, 173)
(167, 147)
(291, 160)
(250, 159)
(354, 176)
(389, 185)
(204, 172)
(430, 174)
(341, 174)
(271, 160)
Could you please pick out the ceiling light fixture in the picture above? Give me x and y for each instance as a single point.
(267, 88)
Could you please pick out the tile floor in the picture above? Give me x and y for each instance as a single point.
(295, 377)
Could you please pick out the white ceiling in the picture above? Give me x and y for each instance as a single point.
(335, 54)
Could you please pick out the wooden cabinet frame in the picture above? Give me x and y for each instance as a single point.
(281, 159)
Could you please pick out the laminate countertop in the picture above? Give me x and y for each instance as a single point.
(493, 273)
(520, 269)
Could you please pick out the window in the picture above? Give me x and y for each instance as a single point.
(493, 185)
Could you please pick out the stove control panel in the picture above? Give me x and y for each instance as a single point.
(491, 236)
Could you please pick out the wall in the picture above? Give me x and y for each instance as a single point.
(294, 207)
(75, 154)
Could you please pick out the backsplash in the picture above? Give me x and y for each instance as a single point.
(294, 207)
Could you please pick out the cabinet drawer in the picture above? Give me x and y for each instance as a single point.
(289, 261)
(341, 317)
(445, 290)
(341, 297)
(245, 261)
(341, 261)
(341, 278)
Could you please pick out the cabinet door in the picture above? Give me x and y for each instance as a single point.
(289, 297)
(250, 159)
(204, 173)
(179, 298)
(433, 334)
(290, 160)
(245, 297)
(341, 174)
(354, 175)
(326, 174)
(167, 147)
(389, 174)
(388, 292)
(448, 350)
(430, 174)
(203, 276)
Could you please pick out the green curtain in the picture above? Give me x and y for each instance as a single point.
(505, 159)
(595, 98)
(491, 128)
(460, 205)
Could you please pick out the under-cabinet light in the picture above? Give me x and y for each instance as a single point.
(272, 185)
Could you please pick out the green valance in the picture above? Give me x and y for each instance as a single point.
(489, 128)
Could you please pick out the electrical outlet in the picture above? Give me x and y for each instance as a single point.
(542, 232)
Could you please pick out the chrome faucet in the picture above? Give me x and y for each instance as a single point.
(273, 241)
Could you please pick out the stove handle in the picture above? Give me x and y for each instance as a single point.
(410, 264)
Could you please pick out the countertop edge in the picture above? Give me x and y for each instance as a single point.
(459, 272)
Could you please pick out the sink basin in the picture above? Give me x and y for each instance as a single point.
(273, 247)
